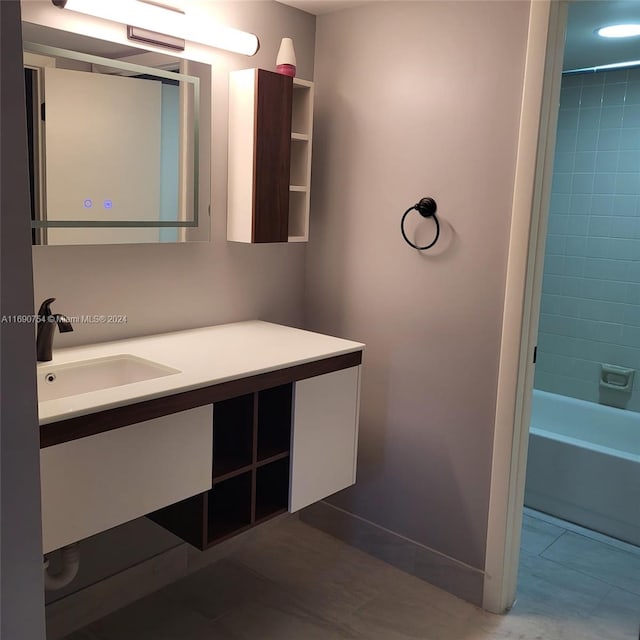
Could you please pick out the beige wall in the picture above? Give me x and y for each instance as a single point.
(170, 287)
(418, 99)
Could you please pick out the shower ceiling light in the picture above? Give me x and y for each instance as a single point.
(167, 20)
(619, 31)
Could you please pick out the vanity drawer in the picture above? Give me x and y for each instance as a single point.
(101, 481)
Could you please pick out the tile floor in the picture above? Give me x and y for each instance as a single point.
(293, 582)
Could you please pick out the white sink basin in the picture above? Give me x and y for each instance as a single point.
(64, 380)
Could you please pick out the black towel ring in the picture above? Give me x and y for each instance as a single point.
(427, 208)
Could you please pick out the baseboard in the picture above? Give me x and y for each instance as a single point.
(438, 569)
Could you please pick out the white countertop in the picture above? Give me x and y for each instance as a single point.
(205, 356)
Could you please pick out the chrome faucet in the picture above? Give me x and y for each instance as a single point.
(47, 322)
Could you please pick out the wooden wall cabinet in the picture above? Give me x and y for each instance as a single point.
(269, 162)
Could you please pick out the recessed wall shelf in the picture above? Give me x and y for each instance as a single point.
(270, 134)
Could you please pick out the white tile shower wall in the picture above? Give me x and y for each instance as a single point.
(590, 310)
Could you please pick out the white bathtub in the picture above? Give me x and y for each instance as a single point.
(584, 464)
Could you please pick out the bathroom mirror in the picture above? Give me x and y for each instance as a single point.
(114, 141)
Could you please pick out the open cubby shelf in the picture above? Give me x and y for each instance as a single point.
(274, 421)
(272, 489)
(233, 434)
(250, 475)
(184, 519)
(217, 479)
(229, 506)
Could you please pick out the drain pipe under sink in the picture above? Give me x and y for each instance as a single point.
(70, 565)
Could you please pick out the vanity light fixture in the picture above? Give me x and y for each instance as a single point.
(619, 31)
(162, 19)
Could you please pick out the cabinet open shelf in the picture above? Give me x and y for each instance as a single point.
(231, 474)
(302, 111)
(299, 172)
(273, 458)
(229, 507)
(184, 519)
(274, 421)
(272, 489)
(233, 435)
(298, 218)
(250, 475)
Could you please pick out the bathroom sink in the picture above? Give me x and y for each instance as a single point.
(64, 380)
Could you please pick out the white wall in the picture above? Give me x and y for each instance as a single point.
(418, 99)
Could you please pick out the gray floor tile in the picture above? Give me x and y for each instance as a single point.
(219, 588)
(155, 618)
(547, 588)
(617, 617)
(293, 582)
(362, 535)
(316, 568)
(279, 619)
(616, 567)
(534, 627)
(537, 534)
(422, 614)
(81, 635)
(587, 533)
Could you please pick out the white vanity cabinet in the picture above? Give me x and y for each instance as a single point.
(325, 436)
(95, 483)
(268, 425)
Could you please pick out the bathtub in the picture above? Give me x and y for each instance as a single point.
(584, 464)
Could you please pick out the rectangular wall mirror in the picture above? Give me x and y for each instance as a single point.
(115, 147)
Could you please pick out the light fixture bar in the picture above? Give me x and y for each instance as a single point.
(166, 20)
(154, 38)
